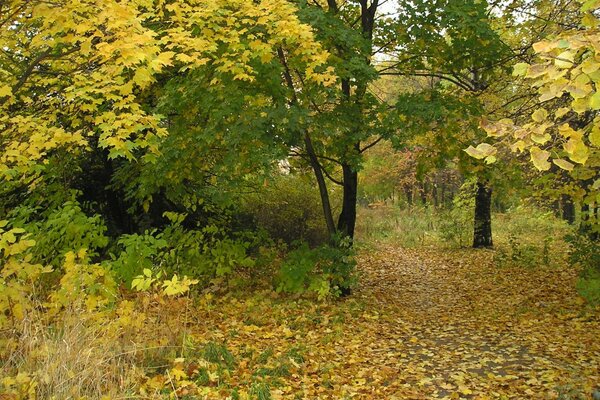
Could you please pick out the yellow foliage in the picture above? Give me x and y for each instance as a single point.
(98, 56)
(567, 64)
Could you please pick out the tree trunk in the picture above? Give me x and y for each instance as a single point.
(316, 166)
(409, 194)
(568, 209)
(347, 218)
(482, 233)
(424, 192)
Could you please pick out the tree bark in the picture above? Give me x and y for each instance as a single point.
(316, 166)
(409, 194)
(347, 218)
(568, 209)
(482, 233)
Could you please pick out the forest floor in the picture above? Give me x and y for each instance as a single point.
(423, 324)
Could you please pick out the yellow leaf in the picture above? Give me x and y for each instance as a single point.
(561, 112)
(539, 158)
(595, 101)
(5, 91)
(564, 164)
(595, 136)
(539, 115)
(577, 150)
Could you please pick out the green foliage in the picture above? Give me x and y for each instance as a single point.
(585, 253)
(202, 253)
(260, 391)
(456, 224)
(218, 354)
(138, 252)
(59, 231)
(325, 270)
(289, 209)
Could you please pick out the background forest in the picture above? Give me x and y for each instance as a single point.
(299, 199)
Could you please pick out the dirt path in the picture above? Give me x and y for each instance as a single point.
(423, 324)
(453, 325)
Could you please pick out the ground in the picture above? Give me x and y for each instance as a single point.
(422, 324)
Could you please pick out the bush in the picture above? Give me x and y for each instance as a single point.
(203, 253)
(456, 225)
(289, 209)
(326, 270)
(585, 253)
(59, 231)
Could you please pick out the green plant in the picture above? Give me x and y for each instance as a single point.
(58, 231)
(139, 252)
(260, 391)
(585, 254)
(326, 270)
(456, 225)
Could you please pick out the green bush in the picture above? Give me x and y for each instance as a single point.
(585, 253)
(61, 230)
(289, 209)
(456, 225)
(325, 270)
(201, 253)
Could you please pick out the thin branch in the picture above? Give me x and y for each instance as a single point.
(367, 147)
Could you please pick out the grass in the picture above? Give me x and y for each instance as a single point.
(524, 234)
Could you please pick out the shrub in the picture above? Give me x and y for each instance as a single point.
(289, 209)
(325, 270)
(456, 225)
(202, 253)
(585, 253)
(59, 231)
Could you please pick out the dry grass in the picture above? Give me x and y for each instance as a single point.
(75, 357)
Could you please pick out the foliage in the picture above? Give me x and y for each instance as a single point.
(169, 287)
(562, 131)
(325, 270)
(288, 209)
(205, 253)
(19, 276)
(139, 252)
(456, 226)
(585, 254)
(59, 231)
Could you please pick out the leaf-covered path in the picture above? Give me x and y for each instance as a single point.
(421, 325)
(455, 325)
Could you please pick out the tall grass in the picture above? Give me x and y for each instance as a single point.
(523, 226)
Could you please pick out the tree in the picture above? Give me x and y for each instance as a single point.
(81, 89)
(565, 72)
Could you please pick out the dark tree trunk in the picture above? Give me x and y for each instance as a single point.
(316, 166)
(482, 233)
(443, 194)
(347, 218)
(424, 193)
(409, 194)
(568, 209)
